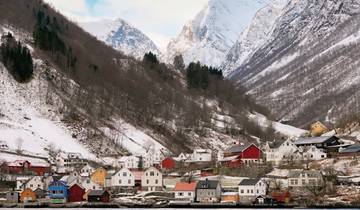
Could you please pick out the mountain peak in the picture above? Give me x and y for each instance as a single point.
(122, 36)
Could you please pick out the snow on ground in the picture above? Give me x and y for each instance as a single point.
(25, 115)
(134, 140)
(348, 166)
(6, 157)
(287, 130)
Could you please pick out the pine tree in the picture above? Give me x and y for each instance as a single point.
(179, 62)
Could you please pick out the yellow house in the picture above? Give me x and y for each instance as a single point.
(317, 129)
(98, 176)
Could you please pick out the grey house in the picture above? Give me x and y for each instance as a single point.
(208, 191)
(40, 193)
(12, 197)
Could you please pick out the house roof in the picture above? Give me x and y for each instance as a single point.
(276, 144)
(351, 149)
(185, 186)
(249, 182)
(314, 140)
(207, 184)
(296, 173)
(229, 158)
(96, 192)
(239, 148)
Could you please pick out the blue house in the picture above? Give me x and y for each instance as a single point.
(58, 192)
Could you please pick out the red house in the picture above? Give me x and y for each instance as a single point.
(169, 163)
(76, 193)
(281, 197)
(237, 155)
(25, 167)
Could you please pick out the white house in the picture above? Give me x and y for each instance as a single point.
(152, 157)
(314, 153)
(249, 189)
(152, 180)
(131, 162)
(87, 170)
(201, 155)
(20, 181)
(123, 178)
(185, 191)
(304, 178)
(34, 183)
(88, 184)
(68, 162)
(277, 152)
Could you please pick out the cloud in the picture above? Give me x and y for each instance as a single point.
(159, 19)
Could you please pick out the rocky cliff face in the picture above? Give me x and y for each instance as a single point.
(122, 36)
(211, 34)
(308, 69)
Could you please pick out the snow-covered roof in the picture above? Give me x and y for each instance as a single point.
(314, 140)
(229, 158)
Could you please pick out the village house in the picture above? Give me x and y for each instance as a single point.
(322, 142)
(152, 180)
(281, 151)
(88, 184)
(40, 193)
(67, 162)
(12, 197)
(25, 167)
(98, 196)
(123, 179)
(208, 191)
(314, 153)
(249, 189)
(238, 155)
(170, 163)
(87, 170)
(33, 183)
(185, 191)
(58, 192)
(152, 157)
(317, 129)
(230, 197)
(201, 155)
(20, 181)
(98, 176)
(27, 195)
(304, 178)
(352, 150)
(130, 162)
(76, 193)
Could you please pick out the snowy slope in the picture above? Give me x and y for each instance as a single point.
(121, 36)
(214, 30)
(308, 68)
(253, 36)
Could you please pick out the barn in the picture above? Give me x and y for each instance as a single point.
(76, 193)
(169, 163)
(239, 154)
(98, 196)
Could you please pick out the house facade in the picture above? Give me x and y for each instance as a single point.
(185, 191)
(76, 193)
(58, 192)
(123, 178)
(305, 178)
(208, 191)
(238, 155)
(152, 180)
(34, 183)
(98, 196)
(281, 152)
(249, 189)
(98, 176)
(201, 155)
(130, 162)
(88, 184)
(67, 162)
(27, 195)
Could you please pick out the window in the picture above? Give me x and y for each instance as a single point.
(129, 181)
(257, 191)
(152, 173)
(119, 181)
(248, 191)
(180, 194)
(147, 181)
(189, 193)
(303, 182)
(156, 181)
(124, 174)
(251, 191)
(242, 191)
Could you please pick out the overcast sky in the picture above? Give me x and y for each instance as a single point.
(161, 20)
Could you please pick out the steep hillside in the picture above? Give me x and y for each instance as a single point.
(308, 68)
(121, 36)
(214, 30)
(109, 104)
(254, 36)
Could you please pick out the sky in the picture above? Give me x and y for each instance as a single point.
(161, 20)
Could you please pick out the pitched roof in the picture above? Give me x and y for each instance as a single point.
(230, 158)
(351, 149)
(185, 186)
(239, 148)
(96, 192)
(249, 182)
(314, 140)
(207, 184)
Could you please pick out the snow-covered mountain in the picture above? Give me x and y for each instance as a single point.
(210, 35)
(253, 36)
(121, 36)
(308, 68)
